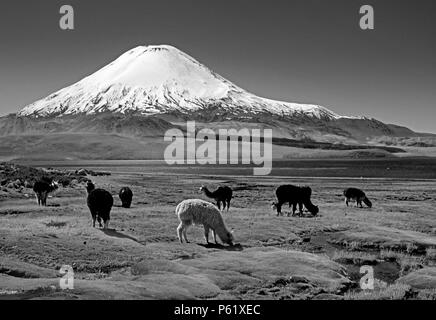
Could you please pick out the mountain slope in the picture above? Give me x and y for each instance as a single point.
(102, 123)
(161, 79)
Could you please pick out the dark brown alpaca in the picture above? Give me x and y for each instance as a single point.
(42, 188)
(295, 195)
(357, 195)
(221, 195)
(126, 196)
(100, 203)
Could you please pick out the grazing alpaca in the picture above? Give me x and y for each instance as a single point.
(221, 195)
(42, 188)
(100, 203)
(295, 195)
(196, 211)
(126, 196)
(356, 195)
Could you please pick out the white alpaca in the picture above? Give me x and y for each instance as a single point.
(197, 211)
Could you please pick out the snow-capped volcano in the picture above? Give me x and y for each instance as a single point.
(157, 80)
(128, 106)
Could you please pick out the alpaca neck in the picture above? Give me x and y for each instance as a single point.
(208, 193)
(222, 232)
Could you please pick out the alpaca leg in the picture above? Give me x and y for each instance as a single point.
(93, 219)
(228, 205)
(214, 236)
(44, 198)
(218, 205)
(179, 232)
(279, 209)
(99, 220)
(294, 208)
(300, 208)
(224, 205)
(206, 234)
(346, 201)
(185, 228)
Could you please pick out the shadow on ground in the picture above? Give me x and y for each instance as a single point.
(117, 234)
(236, 247)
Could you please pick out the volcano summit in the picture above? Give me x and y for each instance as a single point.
(161, 79)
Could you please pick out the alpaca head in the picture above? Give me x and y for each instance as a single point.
(314, 210)
(229, 239)
(367, 202)
(90, 186)
(54, 185)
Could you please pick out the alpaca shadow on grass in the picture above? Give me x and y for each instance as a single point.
(359, 208)
(309, 216)
(210, 245)
(304, 216)
(116, 234)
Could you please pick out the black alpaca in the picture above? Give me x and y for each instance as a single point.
(356, 195)
(221, 195)
(100, 203)
(295, 195)
(126, 196)
(42, 188)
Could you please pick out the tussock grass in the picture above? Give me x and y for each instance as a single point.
(427, 294)
(355, 257)
(407, 262)
(431, 254)
(394, 291)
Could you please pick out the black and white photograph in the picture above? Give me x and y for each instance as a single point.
(200, 150)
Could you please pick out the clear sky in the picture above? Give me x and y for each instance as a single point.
(305, 51)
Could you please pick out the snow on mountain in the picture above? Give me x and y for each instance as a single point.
(160, 79)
